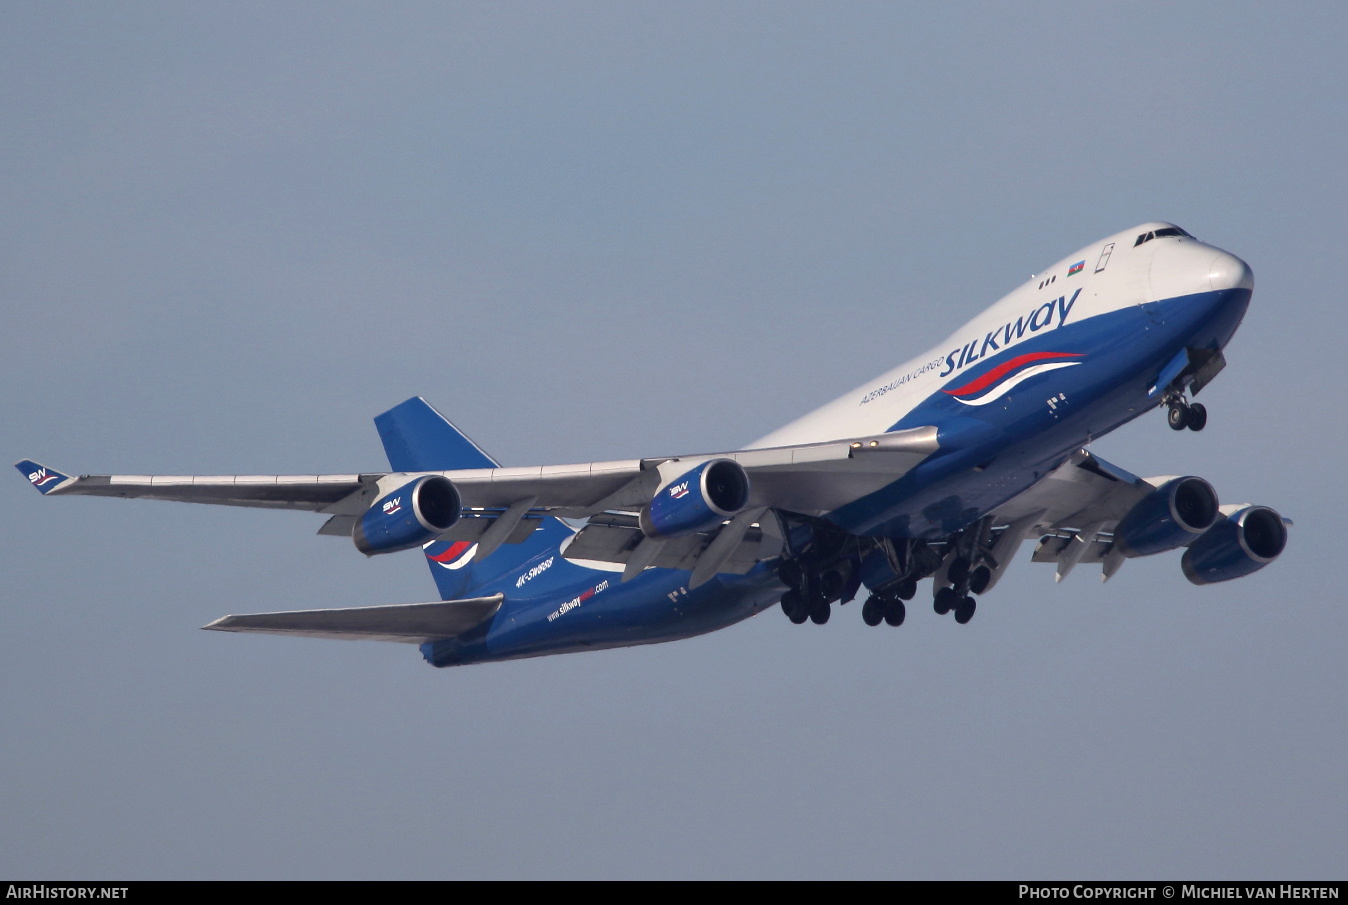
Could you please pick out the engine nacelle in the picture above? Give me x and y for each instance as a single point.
(1172, 515)
(1243, 542)
(409, 516)
(697, 500)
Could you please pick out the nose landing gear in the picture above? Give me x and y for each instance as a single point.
(1184, 414)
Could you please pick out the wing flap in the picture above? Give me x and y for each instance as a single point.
(411, 623)
(1051, 547)
(613, 537)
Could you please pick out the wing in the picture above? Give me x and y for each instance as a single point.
(503, 505)
(1076, 508)
(412, 623)
(812, 479)
(315, 493)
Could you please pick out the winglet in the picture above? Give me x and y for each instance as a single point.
(40, 476)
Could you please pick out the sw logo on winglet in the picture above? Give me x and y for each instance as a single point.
(40, 476)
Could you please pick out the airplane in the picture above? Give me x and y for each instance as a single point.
(937, 469)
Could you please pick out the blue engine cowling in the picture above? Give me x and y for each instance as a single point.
(1172, 515)
(408, 517)
(1243, 542)
(697, 500)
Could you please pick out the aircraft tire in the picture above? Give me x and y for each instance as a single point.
(1198, 417)
(945, 601)
(819, 615)
(980, 579)
(959, 570)
(873, 610)
(895, 612)
(790, 573)
(906, 590)
(1177, 417)
(965, 610)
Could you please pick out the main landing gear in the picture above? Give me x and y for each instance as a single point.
(812, 592)
(960, 566)
(966, 580)
(948, 599)
(1184, 414)
(888, 605)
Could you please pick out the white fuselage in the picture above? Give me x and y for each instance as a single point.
(1114, 274)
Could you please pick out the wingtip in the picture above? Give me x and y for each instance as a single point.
(44, 478)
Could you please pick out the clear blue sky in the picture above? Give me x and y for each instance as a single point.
(232, 234)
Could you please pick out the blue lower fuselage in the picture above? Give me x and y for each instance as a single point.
(988, 454)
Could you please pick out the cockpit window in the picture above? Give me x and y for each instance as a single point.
(1160, 233)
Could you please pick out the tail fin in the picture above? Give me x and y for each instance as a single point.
(418, 438)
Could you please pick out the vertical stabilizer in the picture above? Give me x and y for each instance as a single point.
(418, 438)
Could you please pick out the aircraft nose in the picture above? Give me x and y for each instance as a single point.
(1229, 272)
(1185, 267)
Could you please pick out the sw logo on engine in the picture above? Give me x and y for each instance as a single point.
(678, 491)
(393, 505)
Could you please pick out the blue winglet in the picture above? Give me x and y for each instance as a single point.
(40, 476)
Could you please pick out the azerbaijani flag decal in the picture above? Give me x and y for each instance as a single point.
(998, 382)
(451, 556)
(1076, 268)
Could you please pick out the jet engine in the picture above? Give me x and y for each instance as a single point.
(1172, 515)
(408, 517)
(1244, 541)
(697, 500)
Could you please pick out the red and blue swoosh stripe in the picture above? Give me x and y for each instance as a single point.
(999, 381)
(455, 555)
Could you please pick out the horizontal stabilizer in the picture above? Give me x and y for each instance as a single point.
(410, 623)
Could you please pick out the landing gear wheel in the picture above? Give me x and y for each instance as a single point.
(1178, 416)
(979, 580)
(819, 615)
(873, 610)
(830, 585)
(964, 611)
(959, 569)
(794, 607)
(945, 601)
(895, 612)
(1198, 416)
(906, 590)
(790, 572)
